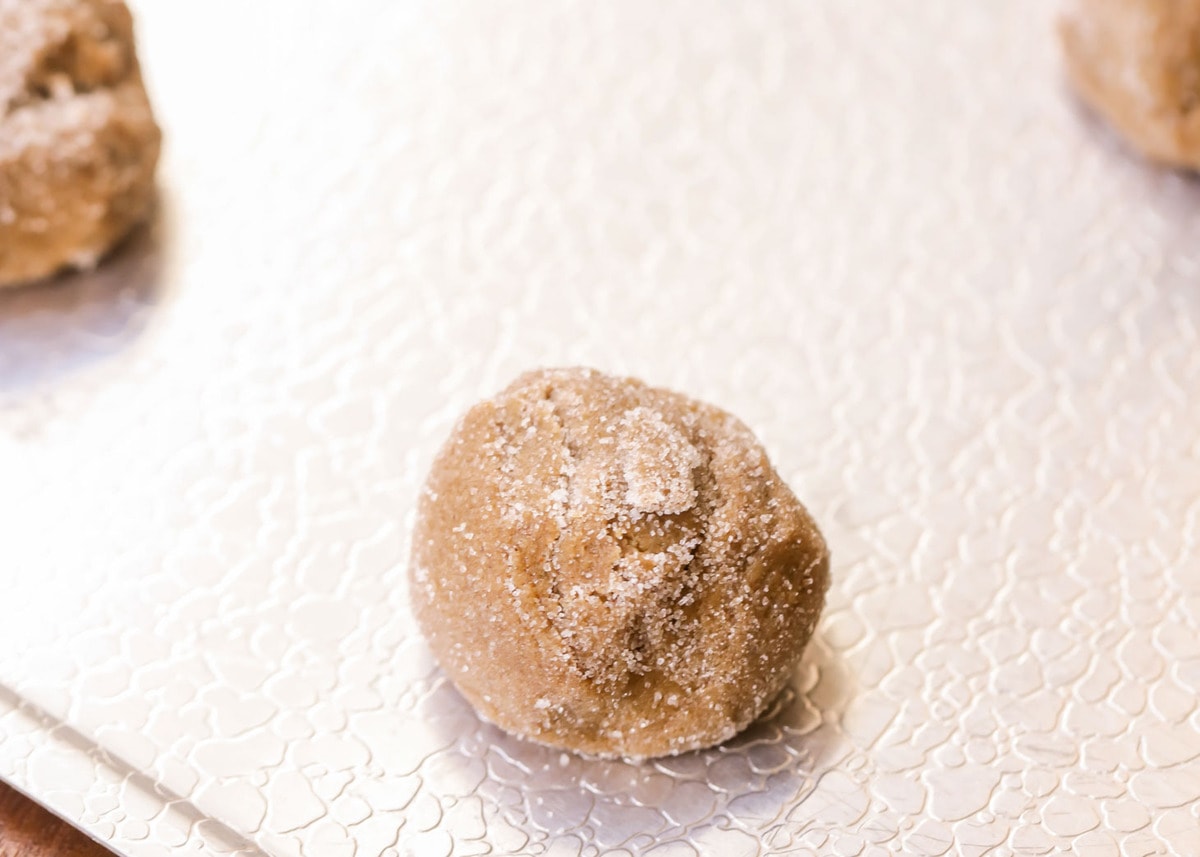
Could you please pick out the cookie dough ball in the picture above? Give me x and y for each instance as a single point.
(613, 568)
(78, 143)
(1137, 63)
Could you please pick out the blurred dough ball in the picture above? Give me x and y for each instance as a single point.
(1137, 63)
(613, 568)
(78, 143)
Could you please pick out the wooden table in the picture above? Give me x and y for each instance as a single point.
(27, 830)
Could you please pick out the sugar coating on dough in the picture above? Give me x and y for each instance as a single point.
(613, 568)
(78, 142)
(1137, 63)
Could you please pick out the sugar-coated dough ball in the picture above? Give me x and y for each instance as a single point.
(78, 143)
(1137, 63)
(612, 568)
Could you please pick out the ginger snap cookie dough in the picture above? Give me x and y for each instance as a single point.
(1137, 63)
(78, 143)
(613, 568)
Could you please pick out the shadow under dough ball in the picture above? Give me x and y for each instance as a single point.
(78, 143)
(612, 568)
(1137, 63)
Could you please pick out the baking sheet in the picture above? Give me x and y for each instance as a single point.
(960, 316)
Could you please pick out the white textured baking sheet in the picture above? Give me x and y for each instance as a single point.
(963, 319)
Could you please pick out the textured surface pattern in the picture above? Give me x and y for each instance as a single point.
(964, 321)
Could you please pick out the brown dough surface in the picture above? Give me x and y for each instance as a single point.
(78, 143)
(1137, 63)
(613, 568)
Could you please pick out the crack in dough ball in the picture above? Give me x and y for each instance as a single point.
(1137, 64)
(78, 143)
(612, 568)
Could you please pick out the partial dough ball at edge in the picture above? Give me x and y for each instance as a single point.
(1137, 64)
(78, 141)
